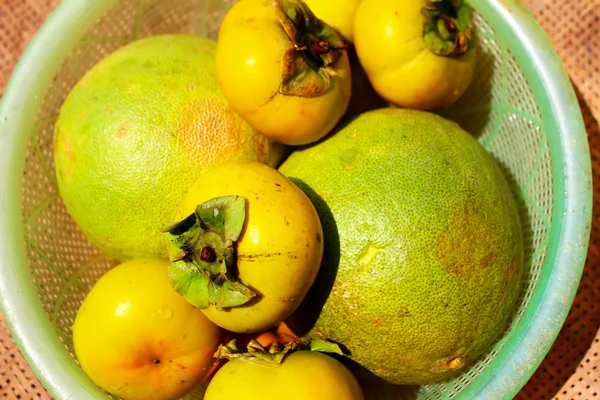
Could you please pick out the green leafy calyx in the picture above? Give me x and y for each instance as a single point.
(308, 65)
(202, 251)
(254, 351)
(275, 353)
(447, 27)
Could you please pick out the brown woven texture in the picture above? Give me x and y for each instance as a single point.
(571, 370)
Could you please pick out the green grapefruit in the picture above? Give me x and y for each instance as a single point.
(136, 131)
(423, 245)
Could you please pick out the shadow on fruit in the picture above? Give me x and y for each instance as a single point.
(304, 318)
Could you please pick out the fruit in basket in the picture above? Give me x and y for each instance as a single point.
(138, 339)
(283, 70)
(281, 374)
(417, 53)
(423, 245)
(135, 131)
(246, 246)
(339, 14)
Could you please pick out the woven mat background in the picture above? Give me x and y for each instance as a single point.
(572, 368)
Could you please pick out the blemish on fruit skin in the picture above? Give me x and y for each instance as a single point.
(181, 367)
(487, 260)
(357, 195)
(257, 257)
(69, 151)
(369, 254)
(448, 364)
(456, 363)
(403, 312)
(466, 254)
(303, 112)
(512, 267)
(122, 131)
(349, 156)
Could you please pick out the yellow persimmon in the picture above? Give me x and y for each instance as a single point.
(247, 247)
(136, 338)
(416, 53)
(283, 70)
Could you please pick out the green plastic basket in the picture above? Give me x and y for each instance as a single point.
(521, 107)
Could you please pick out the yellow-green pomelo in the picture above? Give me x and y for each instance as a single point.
(136, 131)
(423, 245)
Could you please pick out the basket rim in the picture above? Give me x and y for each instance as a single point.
(569, 231)
(20, 304)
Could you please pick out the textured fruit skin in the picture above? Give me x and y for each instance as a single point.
(424, 250)
(303, 375)
(388, 36)
(248, 61)
(280, 249)
(338, 14)
(132, 318)
(135, 132)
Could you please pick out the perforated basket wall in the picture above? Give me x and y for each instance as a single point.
(500, 110)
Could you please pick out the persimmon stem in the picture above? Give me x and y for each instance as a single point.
(315, 49)
(203, 254)
(447, 27)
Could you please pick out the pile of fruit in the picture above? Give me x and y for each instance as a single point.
(291, 217)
